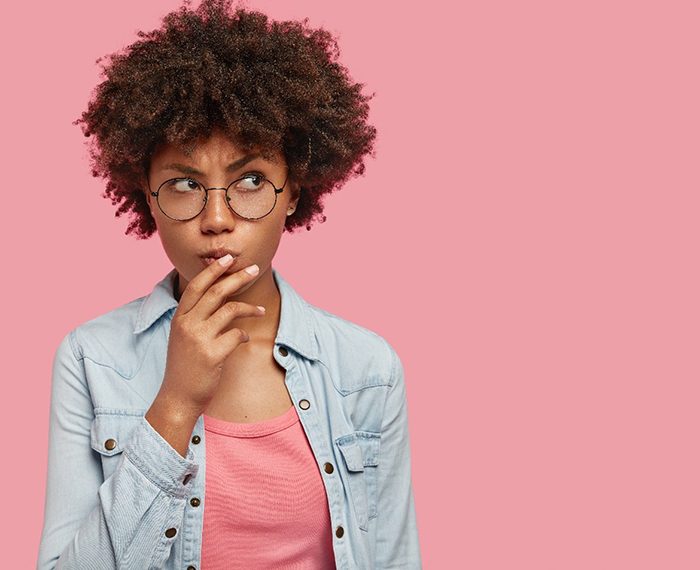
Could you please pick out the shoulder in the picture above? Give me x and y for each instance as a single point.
(109, 338)
(362, 356)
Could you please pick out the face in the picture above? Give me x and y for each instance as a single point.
(217, 226)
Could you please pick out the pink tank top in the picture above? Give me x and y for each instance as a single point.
(265, 503)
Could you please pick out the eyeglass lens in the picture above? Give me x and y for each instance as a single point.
(250, 197)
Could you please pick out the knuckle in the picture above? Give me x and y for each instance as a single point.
(199, 332)
(192, 330)
(178, 323)
(233, 307)
(236, 334)
(217, 290)
(195, 287)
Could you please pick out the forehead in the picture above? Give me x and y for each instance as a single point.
(212, 148)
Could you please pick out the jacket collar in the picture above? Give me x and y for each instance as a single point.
(295, 327)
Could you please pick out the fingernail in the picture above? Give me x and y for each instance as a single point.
(226, 259)
(253, 269)
(261, 308)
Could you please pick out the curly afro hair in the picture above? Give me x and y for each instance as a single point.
(275, 86)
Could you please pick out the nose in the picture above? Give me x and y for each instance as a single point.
(217, 216)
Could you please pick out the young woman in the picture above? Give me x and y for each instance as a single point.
(222, 421)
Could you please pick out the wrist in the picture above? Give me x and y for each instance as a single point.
(172, 408)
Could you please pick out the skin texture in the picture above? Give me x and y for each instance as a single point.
(218, 226)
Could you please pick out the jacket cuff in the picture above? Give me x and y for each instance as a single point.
(159, 462)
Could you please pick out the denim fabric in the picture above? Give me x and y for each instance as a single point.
(118, 495)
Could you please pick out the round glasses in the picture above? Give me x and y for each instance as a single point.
(252, 197)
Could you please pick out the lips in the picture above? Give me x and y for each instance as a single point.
(209, 257)
(216, 253)
(210, 260)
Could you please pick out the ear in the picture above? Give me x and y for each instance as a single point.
(296, 193)
(143, 185)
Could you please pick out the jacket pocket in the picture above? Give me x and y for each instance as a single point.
(109, 434)
(360, 451)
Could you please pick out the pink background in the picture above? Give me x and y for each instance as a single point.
(526, 238)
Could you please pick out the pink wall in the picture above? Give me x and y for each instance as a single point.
(543, 295)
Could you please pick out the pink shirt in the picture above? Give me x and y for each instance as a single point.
(265, 503)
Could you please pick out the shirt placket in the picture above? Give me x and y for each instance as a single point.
(307, 409)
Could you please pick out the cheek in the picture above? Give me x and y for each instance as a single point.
(266, 236)
(264, 239)
(279, 225)
(177, 241)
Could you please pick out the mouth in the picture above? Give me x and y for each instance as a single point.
(212, 255)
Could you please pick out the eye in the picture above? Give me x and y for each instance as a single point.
(250, 181)
(182, 185)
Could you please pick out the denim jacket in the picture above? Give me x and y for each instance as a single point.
(118, 495)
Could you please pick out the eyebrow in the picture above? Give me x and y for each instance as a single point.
(185, 169)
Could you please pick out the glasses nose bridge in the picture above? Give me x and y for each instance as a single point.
(206, 198)
(206, 193)
(214, 188)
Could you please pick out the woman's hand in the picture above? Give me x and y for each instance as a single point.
(198, 347)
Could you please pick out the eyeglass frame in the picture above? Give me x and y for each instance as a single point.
(228, 198)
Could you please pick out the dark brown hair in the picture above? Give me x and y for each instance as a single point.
(272, 85)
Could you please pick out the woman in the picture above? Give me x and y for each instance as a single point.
(222, 421)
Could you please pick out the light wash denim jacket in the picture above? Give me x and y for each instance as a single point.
(118, 495)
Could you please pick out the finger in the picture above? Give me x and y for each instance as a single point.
(230, 311)
(231, 339)
(201, 282)
(217, 293)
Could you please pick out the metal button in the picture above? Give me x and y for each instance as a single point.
(328, 467)
(173, 531)
(187, 478)
(339, 532)
(110, 444)
(196, 439)
(283, 351)
(194, 501)
(304, 404)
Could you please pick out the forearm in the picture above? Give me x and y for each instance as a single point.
(126, 529)
(138, 514)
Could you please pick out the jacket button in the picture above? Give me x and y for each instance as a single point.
(304, 404)
(283, 351)
(328, 467)
(196, 439)
(194, 501)
(339, 532)
(191, 568)
(187, 478)
(171, 532)
(110, 444)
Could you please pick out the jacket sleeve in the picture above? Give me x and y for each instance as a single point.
(93, 523)
(397, 543)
